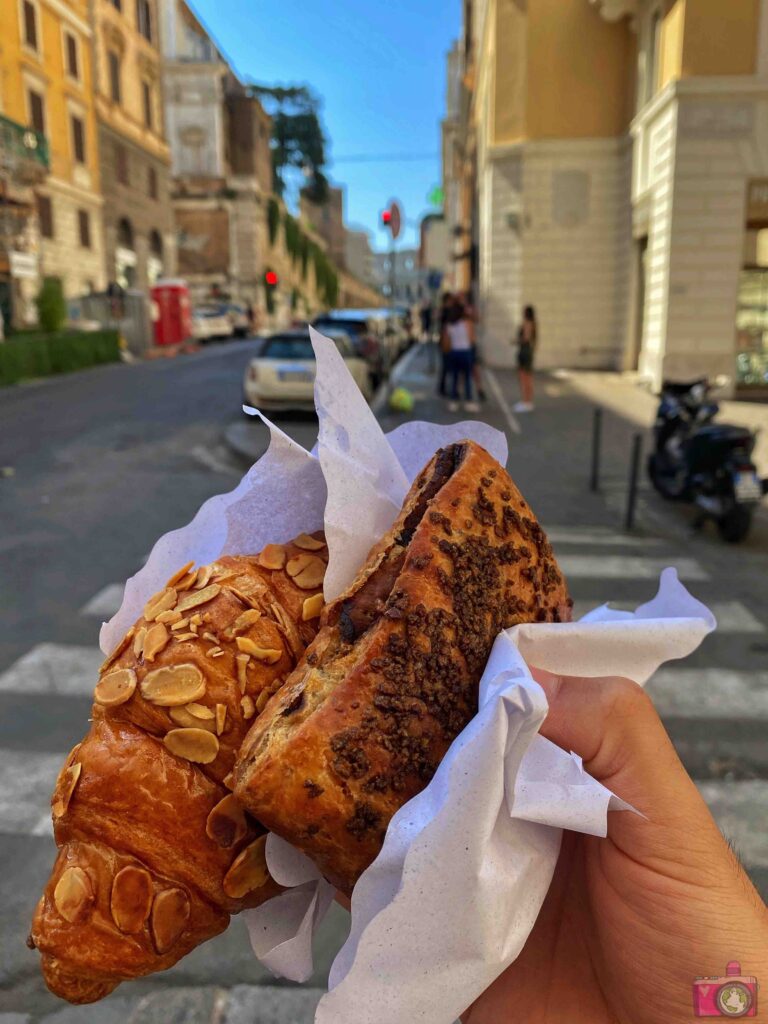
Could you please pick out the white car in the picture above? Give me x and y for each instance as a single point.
(282, 376)
(238, 319)
(210, 322)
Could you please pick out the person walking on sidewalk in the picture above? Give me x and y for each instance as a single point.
(477, 377)
(526, 344)
(448, 313)
(461, 337)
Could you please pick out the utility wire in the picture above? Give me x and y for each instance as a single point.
(369, 158)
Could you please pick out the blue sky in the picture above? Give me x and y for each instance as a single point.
(380, 70)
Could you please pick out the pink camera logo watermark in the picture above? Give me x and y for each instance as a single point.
(734, 995)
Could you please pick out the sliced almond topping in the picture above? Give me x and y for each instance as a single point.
(196, 745)
(156, 639)
(186, 581)
(186, 720)
(248, 870)
(115, 688)
(186, 636)
(200, 711)
(299, 563)
(65, 787)
(307, 543)
(242, 664)
(131, 899)
(269, 655)
(118, 650)
(272, 557)
(170, 913)
(204, 574)
(312, 576)
(221, 718)
(170, 616)
(214, 652)
(210, 636)
(138, 643)
(226, 824)
(287, 627)
(245, 621)
(181, 624)
(261, 700)
(198, 597)
(173, 685)
(229, 780)
(247, 707)
(179, 574)
(312, 607)
(159, 603)
(73, 895)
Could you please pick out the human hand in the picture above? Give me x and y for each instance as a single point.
(630, 920)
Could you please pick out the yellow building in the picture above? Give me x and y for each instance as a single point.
(140, 244)
(617, 156)
(46, 85)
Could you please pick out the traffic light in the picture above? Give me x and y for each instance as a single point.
(271, 279)
(386, 218)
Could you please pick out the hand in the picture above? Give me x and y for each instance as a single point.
(630, 920)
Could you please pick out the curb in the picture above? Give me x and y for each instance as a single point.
(240, 442)
(400, 369)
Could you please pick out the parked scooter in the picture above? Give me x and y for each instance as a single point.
(709, 464)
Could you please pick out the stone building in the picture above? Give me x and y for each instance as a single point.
(618, 184)
(327, 219)
(46, 99)
(221, 165)
(358, 256)
(140, 244)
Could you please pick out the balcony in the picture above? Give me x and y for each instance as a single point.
(23, 153)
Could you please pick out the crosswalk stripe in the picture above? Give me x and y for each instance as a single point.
(732, 616)
(741, 812)
(63, 669)
(106, 602)
(710, 693)
(639, 567)
(583, 535)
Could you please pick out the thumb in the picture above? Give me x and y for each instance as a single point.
(613, 726)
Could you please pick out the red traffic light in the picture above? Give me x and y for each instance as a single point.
(270, 278)
(386, 217)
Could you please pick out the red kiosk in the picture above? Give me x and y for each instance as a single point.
(171, 312)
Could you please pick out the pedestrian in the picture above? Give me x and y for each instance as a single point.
(526, 345)
(461, 338)
(630, 920)
(477, 362)
(426, 321)
(447, 312)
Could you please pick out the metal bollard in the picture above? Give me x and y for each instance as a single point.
(597, 430)
(634, 471)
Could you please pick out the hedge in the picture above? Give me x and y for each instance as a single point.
(35, 354)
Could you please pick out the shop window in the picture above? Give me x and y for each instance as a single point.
(121, 164)
(156, 244)
(70, 47)
(45, 216)
(78, 139)
(84, 225)
(152, 183)
(36, 111)
(30, 25)
(114, 76)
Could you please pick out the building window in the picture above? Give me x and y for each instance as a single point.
(45, 216)
(146, 92)
(117, 4)
(152, 182)
(36, 111)
(114, 76)
(121, 164)
(70, 46)
(30, 25)
(144, 18)
(78, 139)
(84, 224)
(125, 233)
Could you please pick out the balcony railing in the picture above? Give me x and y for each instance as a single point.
(23, 152)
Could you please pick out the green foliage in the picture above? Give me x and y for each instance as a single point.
(273, 218)
(304, 255)
(325, 275)
(295, 299)
(298, 142)
(293, 236)
(39, 355)
(51, 305)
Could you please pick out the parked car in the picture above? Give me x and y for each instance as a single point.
(238, 319)
(282, 375)
(210, 322)
(367, 328)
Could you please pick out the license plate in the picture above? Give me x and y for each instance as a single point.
(295, 374)
(747, 487)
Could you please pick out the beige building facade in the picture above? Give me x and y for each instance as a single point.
(615, 153)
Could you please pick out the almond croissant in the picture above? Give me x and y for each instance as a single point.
(155, 852)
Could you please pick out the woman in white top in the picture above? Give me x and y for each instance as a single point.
(461, 337)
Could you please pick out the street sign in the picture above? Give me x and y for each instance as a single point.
(23, 264)
(396, 218)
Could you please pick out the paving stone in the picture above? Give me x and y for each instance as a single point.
(178, 1006)
(114, 1009)
(15, 1018)
(271, 1004)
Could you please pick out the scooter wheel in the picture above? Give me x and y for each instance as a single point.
(735, 526)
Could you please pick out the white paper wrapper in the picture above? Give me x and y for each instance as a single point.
(465, 866)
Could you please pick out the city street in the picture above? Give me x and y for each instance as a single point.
(96, 465)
